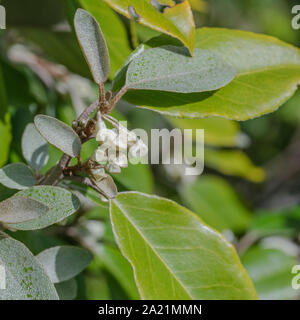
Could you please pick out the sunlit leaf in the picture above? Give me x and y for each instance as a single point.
(93, 45)
(64, 262)
(6, 137)
(20, 209)
(25, 277)
(34, 147)
(174, 254)
(168, 69)
(60, 202)
(176, 21)
(214, 200)
(235, 163)
(268, 74)
(58, 134)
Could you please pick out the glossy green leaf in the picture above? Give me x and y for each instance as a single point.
(58, 134)
(114, 32)
(214, 200)
(60, 202)
(67, 290)
(5, 141)
(93, 45)
(34, 147)
(20, 209)
(176, 21)
(174, 254)
(268, 75)
(218, 131)
(17, 176)
(168, 69)
(271, 272)
(234, 163)
(25, 277)
(64, 262)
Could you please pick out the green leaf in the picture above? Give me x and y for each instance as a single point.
(218, 131)
(3, 98)
(34, 147)
(119, 267)
(270, 270)
(25, 278)
(60, 202)
(136, 178)
(58, 134)
(64, 262)
(214, 200)
(20, 209)
(168, 69)
(268, 75)
(176, 21)
(235, 163)
(6, 137)
(174, 254)
(114, 32)
(93, 45)
(17, 176)
(67, 290)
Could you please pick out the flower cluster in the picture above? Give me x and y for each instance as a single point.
(116, 145)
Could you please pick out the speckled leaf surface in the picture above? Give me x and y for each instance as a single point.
(174, 254)
(176, 21)
(60, 202)
(93, 45)
(169, 69)
(58, 134)
(25, 277)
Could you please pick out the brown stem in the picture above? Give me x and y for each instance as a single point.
(102, 98)
(88, 111)
(115, 100)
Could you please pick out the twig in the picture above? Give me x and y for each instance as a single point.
(115, 100)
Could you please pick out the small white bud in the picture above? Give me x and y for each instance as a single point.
(107, 135)
(120, 160)
(100, 125)
(101, 155)
(138, 150)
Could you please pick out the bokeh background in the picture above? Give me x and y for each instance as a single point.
(250, 188)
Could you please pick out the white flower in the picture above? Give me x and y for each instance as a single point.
(101, 155)
(120, 160)
(108, 136)
(138, 150)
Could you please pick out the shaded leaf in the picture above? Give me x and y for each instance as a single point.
(67, 290)
(64, 262)
(25, 278)
(214, 200)
(58, 134)
(168, 69)
(20, 209)
(17, 176)
(270, 270)
(107, 187)
(93, 45)
(3, 97)
(34, 147)
(176, 21)
(60, 202)
(174, 254)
